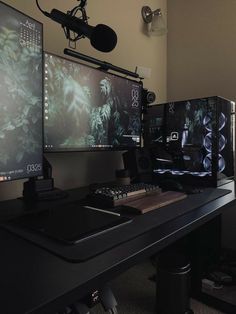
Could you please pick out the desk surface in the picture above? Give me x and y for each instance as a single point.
(35, 281)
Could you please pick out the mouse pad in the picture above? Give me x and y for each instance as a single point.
(140, 224)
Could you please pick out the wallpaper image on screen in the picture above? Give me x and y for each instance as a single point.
(86, 108)
(21, 95)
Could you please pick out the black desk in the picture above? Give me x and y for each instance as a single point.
(36, 281)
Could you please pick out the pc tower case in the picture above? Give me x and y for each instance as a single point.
(192, 141)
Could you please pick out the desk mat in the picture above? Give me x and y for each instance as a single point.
(89, 248)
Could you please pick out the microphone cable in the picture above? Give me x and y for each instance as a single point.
(44, 12)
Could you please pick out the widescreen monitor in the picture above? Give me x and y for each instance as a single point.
(89, 109)
(192, 140)
(20, 94)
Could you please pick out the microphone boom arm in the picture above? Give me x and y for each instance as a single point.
(102, 37)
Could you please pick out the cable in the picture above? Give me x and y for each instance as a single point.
(44, 12)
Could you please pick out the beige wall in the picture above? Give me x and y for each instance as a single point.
(134, 48)
(201, 61)
(201, 48)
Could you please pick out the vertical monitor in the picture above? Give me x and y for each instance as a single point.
(89, 109)
(20, 95)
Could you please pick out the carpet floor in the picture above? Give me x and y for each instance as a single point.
(135, 293)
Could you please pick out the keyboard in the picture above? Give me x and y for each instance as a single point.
(115, 195)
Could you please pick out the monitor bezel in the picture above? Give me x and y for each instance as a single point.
(89, 148)
(42, 108)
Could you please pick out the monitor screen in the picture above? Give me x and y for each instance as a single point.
(21, 95)
(89, 109)
(184, 135)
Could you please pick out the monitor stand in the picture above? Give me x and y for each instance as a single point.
(42, 189)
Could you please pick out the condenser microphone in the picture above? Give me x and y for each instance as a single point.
(102, 37)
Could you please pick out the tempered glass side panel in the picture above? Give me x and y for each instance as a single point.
(186, 125)
(191, 140)
(20, 94)
(89, 109)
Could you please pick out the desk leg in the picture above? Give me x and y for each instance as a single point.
(204, 250)
(173, 282)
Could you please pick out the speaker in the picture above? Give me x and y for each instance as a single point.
(138, 162)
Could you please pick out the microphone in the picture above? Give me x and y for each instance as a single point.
(102, 37)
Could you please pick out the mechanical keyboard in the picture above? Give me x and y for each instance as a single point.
(111, 196)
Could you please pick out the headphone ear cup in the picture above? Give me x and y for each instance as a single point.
(151, 97)
(148, 97)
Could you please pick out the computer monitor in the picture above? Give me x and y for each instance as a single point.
(89, 109)
(192, 140)
(21, 95)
